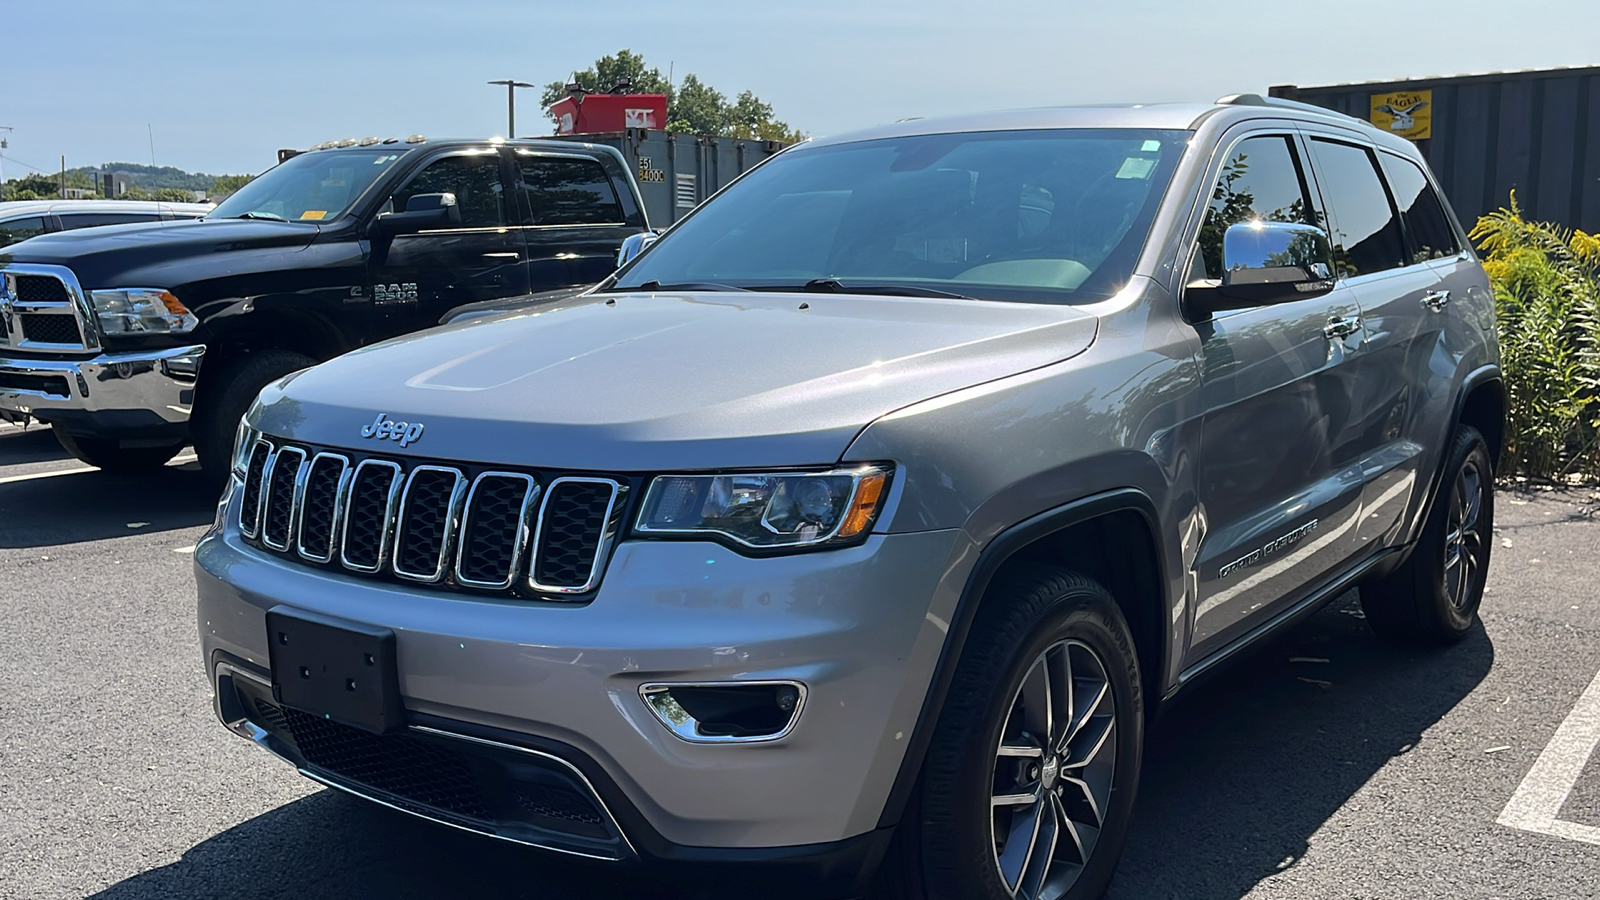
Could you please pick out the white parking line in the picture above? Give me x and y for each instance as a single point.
(1539, 798)
(178, 460)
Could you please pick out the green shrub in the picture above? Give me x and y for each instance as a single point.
(1547, 298)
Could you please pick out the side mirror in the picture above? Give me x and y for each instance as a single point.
(633, 245)
(423, 211)
(1265, 263)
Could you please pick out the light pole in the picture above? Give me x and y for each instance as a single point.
(4, 144)
(511, 103)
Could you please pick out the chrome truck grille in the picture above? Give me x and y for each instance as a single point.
(446, 526)
(40, 309)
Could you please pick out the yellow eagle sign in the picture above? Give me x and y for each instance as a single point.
(1406, 113)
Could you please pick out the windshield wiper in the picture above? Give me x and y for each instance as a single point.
(835, 286)
(653, 286)
(260, 215)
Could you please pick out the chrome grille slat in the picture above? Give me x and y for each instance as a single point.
(250, 502)
(369, 515)
(493, 539)
(46, 309)
(429, 510)
(577, 522)
(280, 487)
(322, 499)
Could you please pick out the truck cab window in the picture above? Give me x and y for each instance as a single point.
(475, 180)
(13, 230)
(568, 192)
(1261, 179)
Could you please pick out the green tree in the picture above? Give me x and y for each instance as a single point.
(692, 105)
(228, 184)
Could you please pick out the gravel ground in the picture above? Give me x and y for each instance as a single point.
(1326, 766)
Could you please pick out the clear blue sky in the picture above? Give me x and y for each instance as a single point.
(224, 83)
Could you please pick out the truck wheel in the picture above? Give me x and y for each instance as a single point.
(1028, 786)
(227, 393)
(1433, 596)
(108, 455)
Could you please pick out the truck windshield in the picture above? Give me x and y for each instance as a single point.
(311, 187)
(1050, 216)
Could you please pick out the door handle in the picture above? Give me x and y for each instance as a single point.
(1435, 300)
(1339, 328)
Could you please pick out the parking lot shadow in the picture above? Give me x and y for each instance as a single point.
(329, 845)
(35, 444)
(1240, 773)
(93, 505)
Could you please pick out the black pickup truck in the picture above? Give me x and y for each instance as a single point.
(132, 340)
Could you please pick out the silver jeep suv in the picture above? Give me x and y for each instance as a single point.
(857, 527)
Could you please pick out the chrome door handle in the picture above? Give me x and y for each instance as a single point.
(1339, 328)
(1435, 300)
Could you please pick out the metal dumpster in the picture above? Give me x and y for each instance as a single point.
(1537, 132)
(676, 171)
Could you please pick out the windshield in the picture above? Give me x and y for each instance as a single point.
(1053, 216)
(311, 187)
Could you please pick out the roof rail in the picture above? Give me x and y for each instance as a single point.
(1258, 100)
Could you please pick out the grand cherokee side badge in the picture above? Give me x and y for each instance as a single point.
(384, 428)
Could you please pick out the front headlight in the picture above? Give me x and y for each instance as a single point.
(141, 311)
(768, 510)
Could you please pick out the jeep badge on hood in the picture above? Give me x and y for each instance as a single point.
(384, 428)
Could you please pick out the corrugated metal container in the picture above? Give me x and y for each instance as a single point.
(1536, 132)
(677, 171)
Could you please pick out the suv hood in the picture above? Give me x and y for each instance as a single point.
(143, 244)
(638, 382)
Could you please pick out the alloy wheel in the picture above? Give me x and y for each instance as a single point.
(1463, 543)
(1053, 772)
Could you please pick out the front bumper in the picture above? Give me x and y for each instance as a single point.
(113, 393)
(853, 625)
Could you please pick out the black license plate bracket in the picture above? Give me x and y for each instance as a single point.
(335, 668)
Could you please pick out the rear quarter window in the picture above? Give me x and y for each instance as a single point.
(1428, 231)
(1366, 232)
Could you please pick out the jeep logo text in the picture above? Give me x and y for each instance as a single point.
(384, 428)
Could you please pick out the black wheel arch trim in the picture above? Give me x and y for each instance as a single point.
(1477, 378)
(990, 559)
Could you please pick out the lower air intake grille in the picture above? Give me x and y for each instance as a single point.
(571, 527)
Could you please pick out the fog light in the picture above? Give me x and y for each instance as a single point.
(731, 712)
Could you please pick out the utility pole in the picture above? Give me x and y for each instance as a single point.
(63, 176)
(4, 145)
(511, 103)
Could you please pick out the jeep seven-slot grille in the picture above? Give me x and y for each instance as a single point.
(436, 524)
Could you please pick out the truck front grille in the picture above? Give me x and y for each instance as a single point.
(43, 313)
(446, 526)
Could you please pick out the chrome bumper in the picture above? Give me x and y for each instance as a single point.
(158, 382)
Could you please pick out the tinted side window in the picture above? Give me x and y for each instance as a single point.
(70, 221)
(1427, 227)
(15, 230)
(569, 192)
(1366, 234)
(475, 180)
(1261, 179)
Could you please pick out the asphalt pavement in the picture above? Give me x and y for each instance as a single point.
(1328, 765)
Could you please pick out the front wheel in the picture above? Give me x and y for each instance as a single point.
(1029, 783)
(108, 454)
(226, 393)
(1433, 597)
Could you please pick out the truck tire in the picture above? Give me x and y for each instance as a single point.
(1433, 597)
(1000, 811)
(108, 455)
(226, 393)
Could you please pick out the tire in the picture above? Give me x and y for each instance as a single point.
(1034, 620)
(1433, 597)
(226, 393)
(107, 454)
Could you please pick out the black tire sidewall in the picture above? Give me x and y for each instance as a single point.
(1449, 620)
(958, 856)
(227, 394)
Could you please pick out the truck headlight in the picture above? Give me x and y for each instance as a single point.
(141, 311)
(768, 510)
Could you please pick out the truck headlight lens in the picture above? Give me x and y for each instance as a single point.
(141, 311)
(768, 510)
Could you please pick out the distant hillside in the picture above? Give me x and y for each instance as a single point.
(154, 177)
